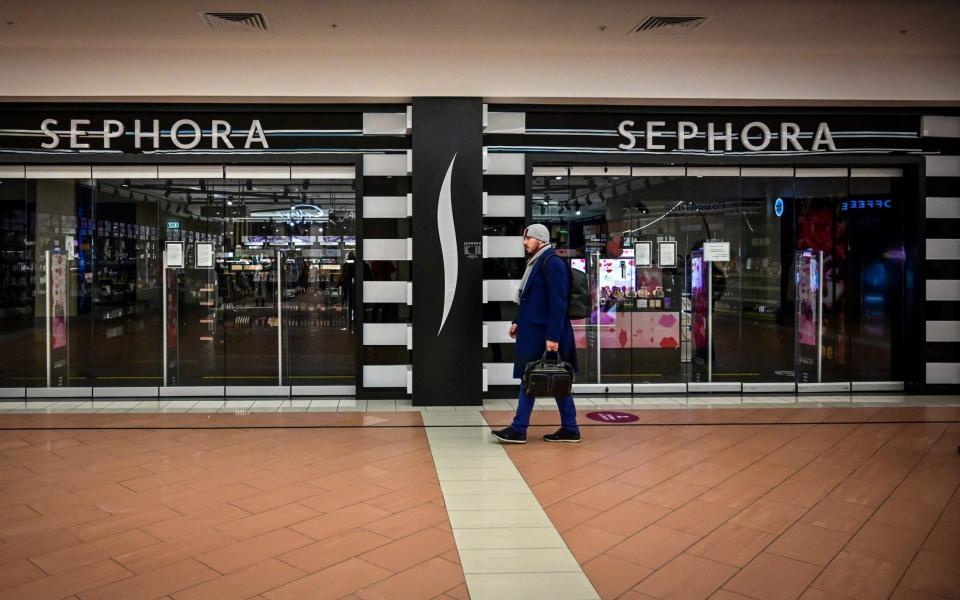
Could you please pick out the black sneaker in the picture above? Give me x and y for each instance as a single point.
(510, 435)
(563, 435)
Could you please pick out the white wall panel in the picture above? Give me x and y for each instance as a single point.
(59, 172)
(386, 207)
(387, 334)
(943, 331)
(506, 122)
(937, 126)
(383, 376)
(943, 208)
(504, 206)
(943, 249)
(766, 172)
(503, 246)
(323, 172)
(383, 165)
(505, 164)
(387, 249)
(821, 172)
(498, 332)
(385, 123)
(713, 171)
(12, 172)
(190, 171)
(387, 292)
(500, 290)
(944, 373)
(500, 374)
(944, 290)
(257, 172)
(866, 173)
(943, 166)
(125, 171)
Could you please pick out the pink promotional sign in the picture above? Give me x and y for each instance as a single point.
(610, 416)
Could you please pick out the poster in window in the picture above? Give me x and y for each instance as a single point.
(204, 255)
(667, 253)
(644, 254)
(174, 251)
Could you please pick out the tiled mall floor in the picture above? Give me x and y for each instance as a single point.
(731, 500)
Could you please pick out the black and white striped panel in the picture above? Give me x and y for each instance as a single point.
(386, 253)
(942, 250)
(504, 218)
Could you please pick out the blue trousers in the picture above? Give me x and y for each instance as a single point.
(568, 412)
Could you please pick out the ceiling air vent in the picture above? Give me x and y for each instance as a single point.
(235, 21)
(669, 24)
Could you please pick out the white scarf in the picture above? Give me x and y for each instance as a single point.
(526, 273)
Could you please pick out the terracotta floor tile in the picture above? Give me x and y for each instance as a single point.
(774, 517)
(733, 544)
(814, 545)
(245, 583)
(409, 551)
(565, 514)
(36, 543)
(193, 501)
(674, 579)
(915, 489)
(605, 495)
(706, 474)
(92, 552)
(278, 497)
(253, 550)
(102, 528)
(735, 494)
(765, 474)
(588, 542)
(798, 493)
(18, 573)
(186, 525)
(409, 521)
(166, 553)
(268, 520)
(861, 492)
(648, 475)
(459, 593)
(163, 581)
(857, 576)
(934, 574)
(328, 501)
(909, 515)
(424, 580)
(736, 456)
(653, 547)
(611, 576)
(627, 518)
(334, 582)
(671, 493)
(339, 521)
(944, 540)
(773, 577)
(905, 593)
(404, 498)
(334, 549)
(837, 515)
(886, 542)
(813, 593)
(65, 583)
(697, 517)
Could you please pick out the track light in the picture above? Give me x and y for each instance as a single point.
(249, 185)
(166, 189)
(126, 183)
(306, 184)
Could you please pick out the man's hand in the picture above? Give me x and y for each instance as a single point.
(552, 346)
(513, 330)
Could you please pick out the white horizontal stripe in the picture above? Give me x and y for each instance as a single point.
(505, 164)
(943, 373)
(500, 373)
(943, 208)
(766, 172)
(943, 290)
(822, 172)
(59, 172)
(505, 206)
(125, 171)
(943, 331)
(190, 171)
(257, 172)
(500, 290)
(126, 392)
(386, 334)
(601, 388)
(323, 390)
(12, 172)
(713, 171)
(385, 123)
(498, 332)
(551, 171)
(386, 292)
(767, 387)
(662, 171)
(506, 122)
(943, 166)
(505, 246)
(609, 171)
(265, 391)
(384, 165)
(943, 249)
(659, 388)
(64, 392)
(878, 386)
(323, 172)
(714, 386)
(937, 126)
(386, 249)
(380, 376)
(867, 173)
(385, 207)
(833, 386)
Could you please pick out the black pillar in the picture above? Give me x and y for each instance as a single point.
(447, 262)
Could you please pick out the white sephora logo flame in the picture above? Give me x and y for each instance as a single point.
(448, 244)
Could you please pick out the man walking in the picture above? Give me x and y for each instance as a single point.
(542, 324)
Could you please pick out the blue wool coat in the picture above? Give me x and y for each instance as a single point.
(543, 313)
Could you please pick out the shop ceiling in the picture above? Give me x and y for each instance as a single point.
(404, 48)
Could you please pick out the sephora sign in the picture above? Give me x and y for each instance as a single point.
(185, 134)
(755, 136)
